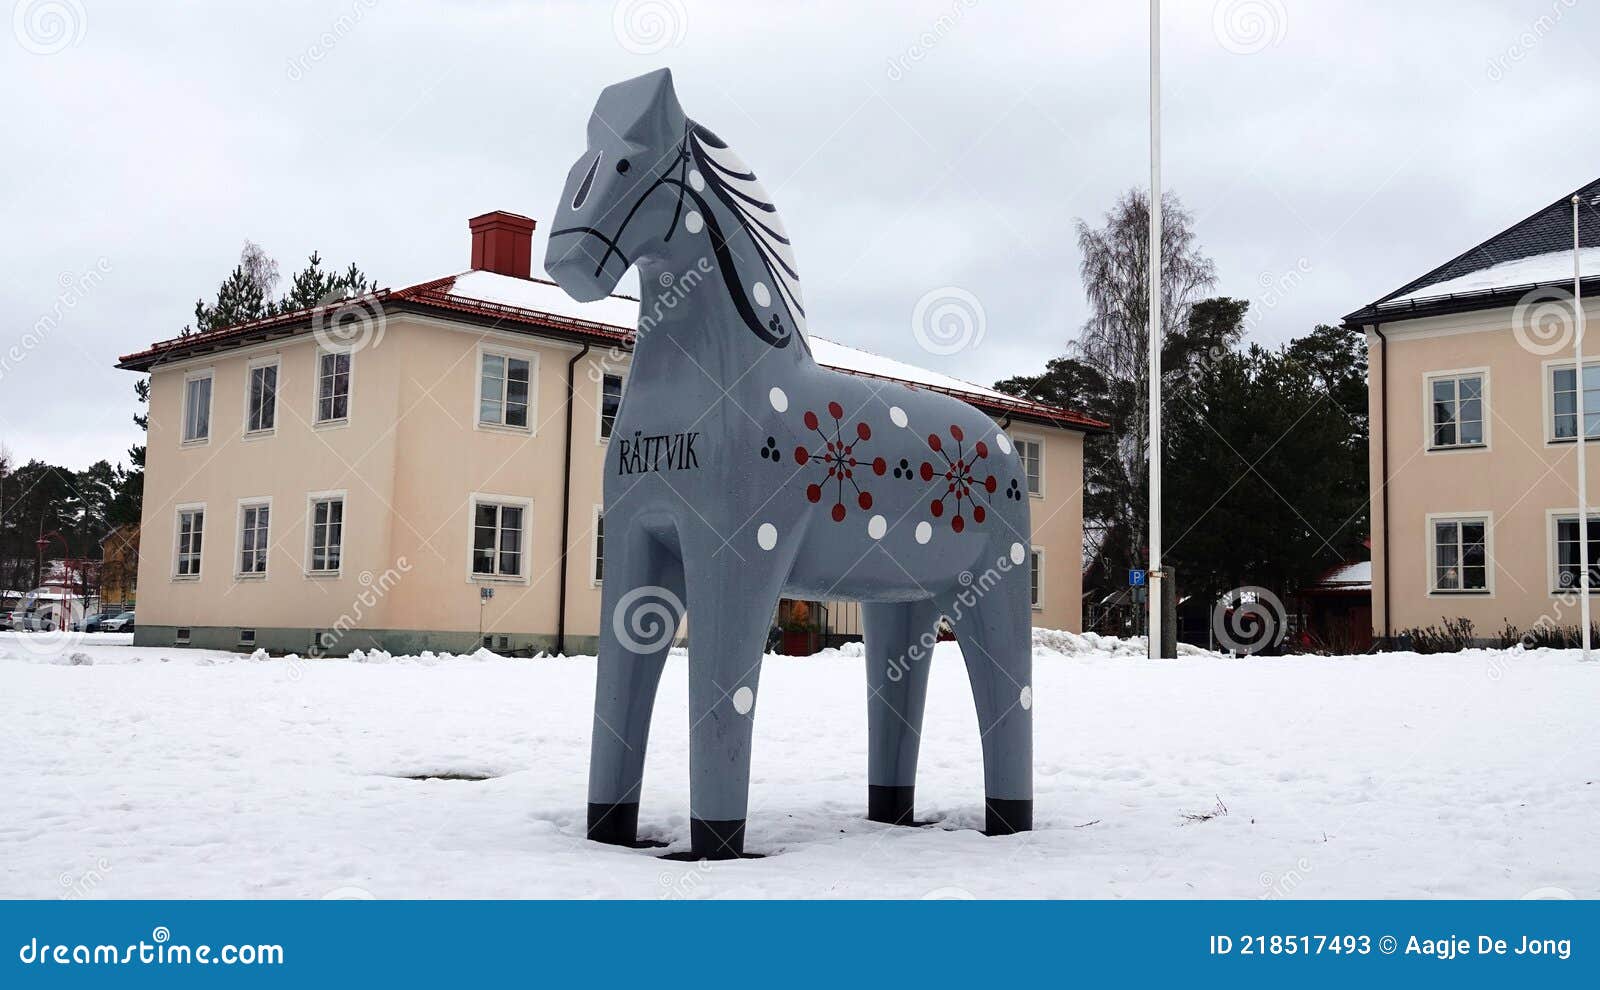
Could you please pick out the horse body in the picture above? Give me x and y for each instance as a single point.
(740, 471)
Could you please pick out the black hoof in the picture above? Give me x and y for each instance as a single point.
(1004, 817)
(891, 804)
(614, 824)
(716, 840)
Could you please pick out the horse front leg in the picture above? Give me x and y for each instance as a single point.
(641, 606)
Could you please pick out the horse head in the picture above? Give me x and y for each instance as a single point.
(623, 195)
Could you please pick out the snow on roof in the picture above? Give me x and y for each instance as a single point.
(542, 296)
(1553, 266)
(1358, 574)
(622, 312)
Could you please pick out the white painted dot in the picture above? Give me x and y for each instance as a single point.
(763, 297)
(694, 222)
(767, 536)
(1003, 442)
(924, 531)
(1026, 698)
(696, 180)
(1018, 553)
(898, 416)
(876, 527)
(779, 399)
(744, 699)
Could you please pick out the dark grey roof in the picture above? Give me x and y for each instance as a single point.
(1550, 229)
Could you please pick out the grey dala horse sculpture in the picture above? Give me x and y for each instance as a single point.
(741, 471)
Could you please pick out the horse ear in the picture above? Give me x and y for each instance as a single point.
(659, 117)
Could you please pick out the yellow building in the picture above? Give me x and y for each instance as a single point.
(421, 469)
(1474, 426)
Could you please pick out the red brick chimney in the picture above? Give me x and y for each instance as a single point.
(502, 242)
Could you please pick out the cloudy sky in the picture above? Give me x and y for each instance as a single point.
(1330, 152)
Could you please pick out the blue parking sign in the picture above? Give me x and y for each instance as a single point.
(1136, 579)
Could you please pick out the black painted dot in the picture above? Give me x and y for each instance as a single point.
(622, 166)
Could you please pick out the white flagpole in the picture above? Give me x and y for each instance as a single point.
(1155, 599)
(1583, 430)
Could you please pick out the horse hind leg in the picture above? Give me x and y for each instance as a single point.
(899, 640)
(996, 637)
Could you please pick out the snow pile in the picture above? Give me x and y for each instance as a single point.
(178, 773)
(1094, 644)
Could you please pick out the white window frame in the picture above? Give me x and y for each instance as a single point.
(1456, 374)
(510, 353)
(317, 421)
(526, 505)
(250, 370)
(600, 403)
(1483, 516)
(1036, 591)
(1553, 558)
(1547, 386)
(209, 374)
(313, 499)
(597, 544)
(177, 540)
(245, 505)
(1017, 440)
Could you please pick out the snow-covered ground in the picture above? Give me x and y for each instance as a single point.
(153, 772)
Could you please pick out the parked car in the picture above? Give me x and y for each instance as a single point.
(92, 623)
(31, 621)
(5, 621)
(118, 623)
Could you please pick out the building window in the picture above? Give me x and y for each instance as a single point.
(503, 390)
(197, 408)
(1564, 402)
(497, 539)
(261, 414)
(1031, 453)
(599, 544)
(253, 542)
(1460, 555)
(333, 386)
(1035, 575)
(610, 402)
(191, 527)
(1457, 411)
(327, 535)
(1569, 575)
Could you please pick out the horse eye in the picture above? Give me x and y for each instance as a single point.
(622, 166)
